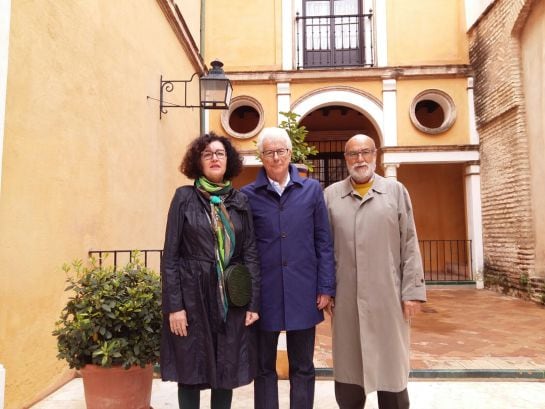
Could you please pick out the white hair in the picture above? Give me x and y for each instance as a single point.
(273, 134)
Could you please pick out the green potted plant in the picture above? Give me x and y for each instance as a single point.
(110, 330)
(301, 150)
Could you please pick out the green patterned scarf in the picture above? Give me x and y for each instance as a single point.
(223, 229)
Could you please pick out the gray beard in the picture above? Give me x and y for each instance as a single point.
(358, 177)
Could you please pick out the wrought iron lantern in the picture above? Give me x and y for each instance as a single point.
(215, 90)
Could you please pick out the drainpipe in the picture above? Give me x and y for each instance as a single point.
(202, 27)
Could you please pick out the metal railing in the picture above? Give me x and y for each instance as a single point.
(151, 258)
(335, 40)
(443, 260)
(446, 260)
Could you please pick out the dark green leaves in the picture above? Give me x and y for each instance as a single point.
(113, 317)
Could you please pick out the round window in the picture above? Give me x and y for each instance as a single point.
(433, 111)
(244, 118)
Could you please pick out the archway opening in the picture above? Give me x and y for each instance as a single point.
(329, 128)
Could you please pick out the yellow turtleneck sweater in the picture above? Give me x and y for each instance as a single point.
(362, 188)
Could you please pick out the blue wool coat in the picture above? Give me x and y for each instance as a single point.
(295, 250)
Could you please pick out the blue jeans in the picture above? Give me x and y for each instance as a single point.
(300, 346)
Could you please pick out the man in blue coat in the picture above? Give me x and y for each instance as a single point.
(297, 268)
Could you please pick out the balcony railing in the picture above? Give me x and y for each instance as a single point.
(446, 260)
(443, 260)
(335, 40)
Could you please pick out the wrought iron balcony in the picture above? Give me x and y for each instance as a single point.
(335, 41)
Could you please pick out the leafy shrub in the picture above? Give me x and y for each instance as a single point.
(301, 150)
(113, 317)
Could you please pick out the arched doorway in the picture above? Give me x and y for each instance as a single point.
(332, 116)
(329, 128)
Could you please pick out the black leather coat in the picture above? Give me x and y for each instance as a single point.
(215, 353)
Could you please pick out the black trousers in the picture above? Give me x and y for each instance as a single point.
(190, 398)
(300, 345)
(351, 396)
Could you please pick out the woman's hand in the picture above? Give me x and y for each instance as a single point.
(251, 317)
(178, 323)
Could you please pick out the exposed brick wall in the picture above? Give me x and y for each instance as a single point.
(509, 245)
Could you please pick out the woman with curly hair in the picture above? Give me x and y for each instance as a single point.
(207, 343)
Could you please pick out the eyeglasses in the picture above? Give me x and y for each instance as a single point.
(366, 153)
(279, 152)
(208, 155)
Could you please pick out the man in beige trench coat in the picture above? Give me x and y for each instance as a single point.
(380, 281)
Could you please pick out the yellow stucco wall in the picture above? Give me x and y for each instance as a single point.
(407, 90)
(371, 87)
(426, 32)
(436, 191)
(409, 135)
(87, 163)
(244, 35)
(418, 33)
(265, 95)
(191, 11)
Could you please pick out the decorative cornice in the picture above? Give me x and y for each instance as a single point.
(352, 73)
(180, 28)
(335, 88)
(430, 148)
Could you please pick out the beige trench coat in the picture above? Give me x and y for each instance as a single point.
(378, 267)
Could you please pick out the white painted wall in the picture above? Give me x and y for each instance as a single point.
(473, 134)
(389, 101)
(283, 99)
(288, 18)
(379, 15)
(429, 157)
(474, 9)
(474, 218)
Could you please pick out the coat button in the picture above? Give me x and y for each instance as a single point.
(285, 263)
(284, 235)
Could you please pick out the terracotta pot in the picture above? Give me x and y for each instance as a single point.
(117, 388)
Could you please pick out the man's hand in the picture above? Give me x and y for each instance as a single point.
(330, 307)
(410, 309)
(178, 323)
(322, 301)
(251, 317)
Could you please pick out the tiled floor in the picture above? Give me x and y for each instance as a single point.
(423, 395)
(466, 328)
(460, 329)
